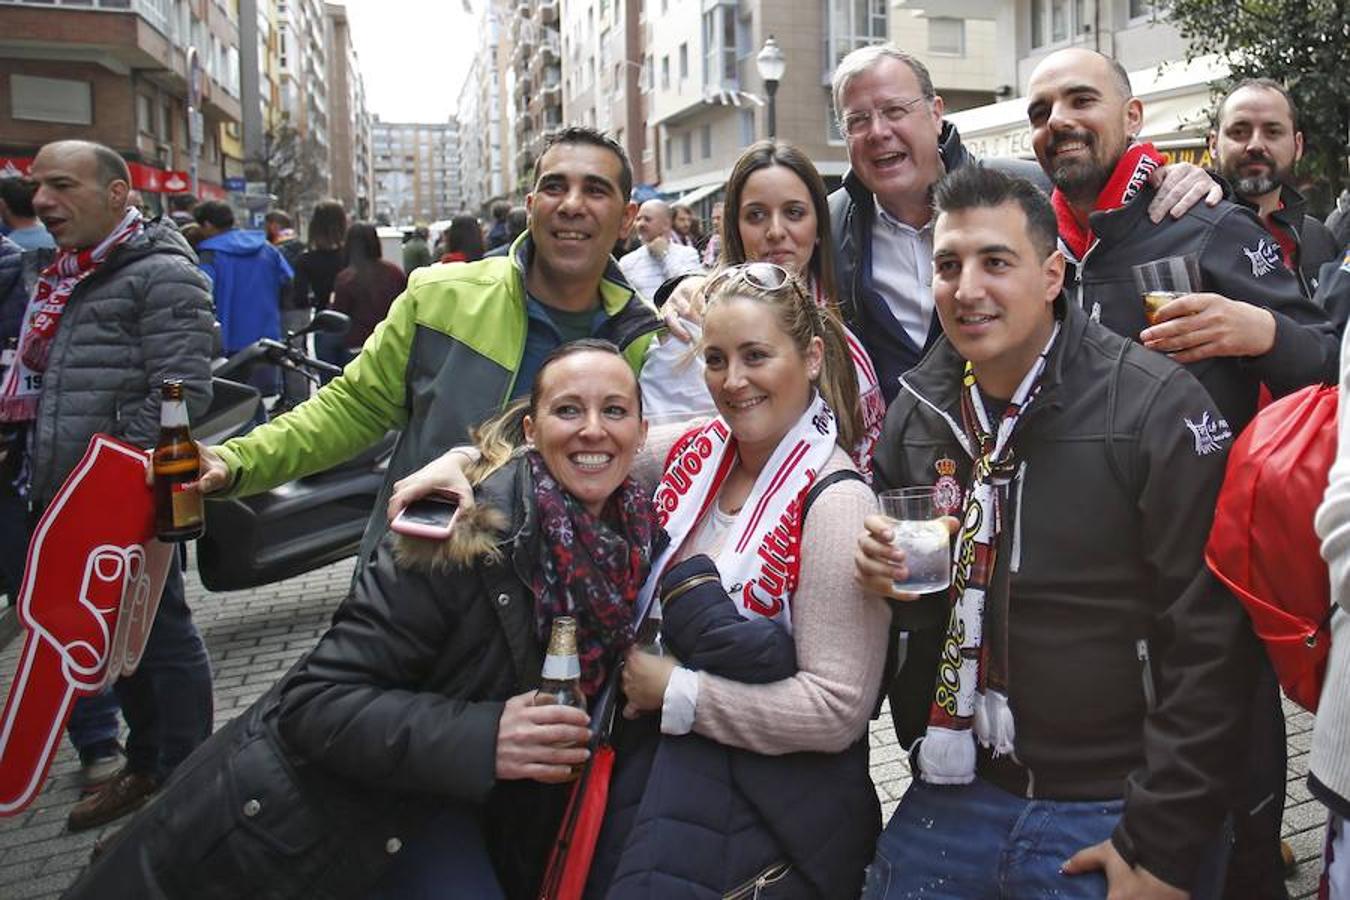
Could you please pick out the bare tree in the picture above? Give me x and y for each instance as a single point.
(290, 164)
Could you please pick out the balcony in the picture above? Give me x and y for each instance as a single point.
(550, 48)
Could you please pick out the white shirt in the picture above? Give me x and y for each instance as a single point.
(646, 272)
(902, 271)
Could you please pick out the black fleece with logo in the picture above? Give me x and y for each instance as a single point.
(1240, 260)
(1129, 666)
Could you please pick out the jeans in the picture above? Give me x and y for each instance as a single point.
(167, 701)
(447, 860)
(978, 842)
(92, 726)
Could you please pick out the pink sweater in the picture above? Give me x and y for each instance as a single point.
(840, 633)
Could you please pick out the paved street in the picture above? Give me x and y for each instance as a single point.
(253, 636)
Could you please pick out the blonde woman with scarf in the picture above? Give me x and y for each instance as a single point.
(751, 782)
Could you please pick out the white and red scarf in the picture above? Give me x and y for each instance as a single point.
(761, 558)
(970, 699)
(22, 386)
(871, 402)
(1129, 178)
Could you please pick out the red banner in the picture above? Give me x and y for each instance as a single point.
(90, 591)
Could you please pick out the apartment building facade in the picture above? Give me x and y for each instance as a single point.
(349, 149)
(486, 113)
(605, 76)
(118, 72)
(706, 96)
(536, 82)
(416, 167)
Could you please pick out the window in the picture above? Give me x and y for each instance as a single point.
(144, 122)
(853, 24)
(51, 100)
(747, 127)
(1141, 8)
(719, 46)
(684, 61)
(1058, 21)
(705, 136)
(687, 147)
(670, 156)
(665, 73)
(947, 36)
(832, 133)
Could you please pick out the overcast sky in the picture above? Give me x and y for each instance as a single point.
(414, 55)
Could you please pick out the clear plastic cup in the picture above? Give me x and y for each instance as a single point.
(921, 533)
(1163, 280)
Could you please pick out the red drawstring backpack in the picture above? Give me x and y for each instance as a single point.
(1263, 545)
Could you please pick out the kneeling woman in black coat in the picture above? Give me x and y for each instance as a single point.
(402, 757)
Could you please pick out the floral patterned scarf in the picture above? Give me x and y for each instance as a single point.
(592, 568)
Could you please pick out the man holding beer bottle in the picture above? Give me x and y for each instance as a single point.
(124, 308)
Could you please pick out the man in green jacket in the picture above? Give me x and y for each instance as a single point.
(464, 340)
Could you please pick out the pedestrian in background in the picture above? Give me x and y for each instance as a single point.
(463, 240)
(249, 278)
(315, 271)
(123, 308)
(500, 232)
(16, 211)
(281, 234)
(416, 253)
(365, 288)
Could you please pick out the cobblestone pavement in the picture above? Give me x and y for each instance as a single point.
(253, 636)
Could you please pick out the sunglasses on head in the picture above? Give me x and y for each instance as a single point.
(763, 275)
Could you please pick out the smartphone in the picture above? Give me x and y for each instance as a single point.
(430, 517)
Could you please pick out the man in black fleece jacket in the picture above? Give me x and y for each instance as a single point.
(1080, 731)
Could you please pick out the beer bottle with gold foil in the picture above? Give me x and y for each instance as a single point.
(178, 511)
(560, 682)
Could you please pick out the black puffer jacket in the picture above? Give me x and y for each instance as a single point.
(1128, 674)
(144, 316)
(1238, 259)
(13, 296)
(314, 790)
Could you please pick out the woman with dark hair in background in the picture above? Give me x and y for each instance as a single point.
(365, 287)
(776, 211)
(463, 240)
(315, 271)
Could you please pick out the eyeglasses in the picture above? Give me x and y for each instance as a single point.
(763, 275)
(856, 124)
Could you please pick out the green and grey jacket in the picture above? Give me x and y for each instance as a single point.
(442, 361)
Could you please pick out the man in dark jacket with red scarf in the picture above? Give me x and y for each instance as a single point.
(1247, 324)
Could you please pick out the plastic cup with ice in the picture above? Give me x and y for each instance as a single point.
(921, 533)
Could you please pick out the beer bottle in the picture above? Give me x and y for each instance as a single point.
(560, 682)
(178, 511)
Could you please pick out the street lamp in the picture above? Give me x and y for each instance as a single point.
(771, 64)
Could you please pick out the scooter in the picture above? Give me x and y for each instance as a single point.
(296, 527)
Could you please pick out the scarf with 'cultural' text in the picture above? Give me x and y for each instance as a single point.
(1129, 177)
(972, 681)
(761, 558)
(22, 386)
